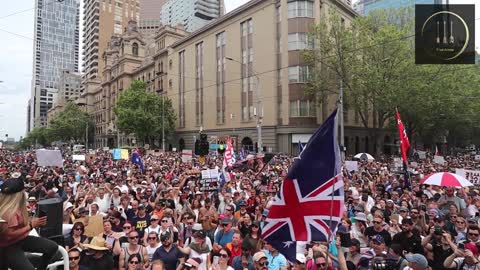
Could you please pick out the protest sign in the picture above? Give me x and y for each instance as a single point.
(397, 162)
(422, 154)
(439, 160)
(186, 155)
(117, 154)
(49, 157)
(470, 175)
(351, 165)
(94, 226)
(413, 164)
(209, 180)
(78, 157)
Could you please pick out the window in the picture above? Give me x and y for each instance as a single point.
(299, 41)
(298, 74)
(302, 108)
(300, 9)
(135, 49)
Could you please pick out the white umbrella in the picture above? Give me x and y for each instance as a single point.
(364, 156)
(445, 179)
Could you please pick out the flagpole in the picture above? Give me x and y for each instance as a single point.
(330, 236)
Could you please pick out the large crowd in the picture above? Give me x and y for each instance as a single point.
(168, 218)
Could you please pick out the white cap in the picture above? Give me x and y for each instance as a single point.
(301, 258)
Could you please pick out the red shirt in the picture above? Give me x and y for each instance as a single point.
(235, 252)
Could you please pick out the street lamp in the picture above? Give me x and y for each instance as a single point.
(259, 108)
(86, 128)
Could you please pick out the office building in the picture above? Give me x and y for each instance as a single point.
(150, 21)
(192, 14)
(102, 20)
(256, 79)
(69, 86)
(56, 48)
(364, 7)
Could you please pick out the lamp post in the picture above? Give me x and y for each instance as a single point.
(163, 123)
(259, 108)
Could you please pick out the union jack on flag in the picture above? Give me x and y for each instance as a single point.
(310, 203)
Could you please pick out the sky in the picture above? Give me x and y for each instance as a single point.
(16, 50)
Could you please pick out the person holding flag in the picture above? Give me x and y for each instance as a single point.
(404, 145)
(137, 160)
(310, 203)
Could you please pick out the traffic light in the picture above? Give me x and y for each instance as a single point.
(221, 148)
(202, 146)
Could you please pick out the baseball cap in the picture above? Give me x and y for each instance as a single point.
(378, 238)
(141, 206)
(200, 234)
(418, 259)
(259, 255)
(404, 209)
(407, 221)
(361, 217)
(242, 203)
(154, 217)
(226, 221)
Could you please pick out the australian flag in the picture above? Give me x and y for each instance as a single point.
(310, 203)
(136, 159)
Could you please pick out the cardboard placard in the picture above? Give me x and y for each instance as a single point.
(470, 175)
(351, 165)
(78, 157)
(187, 155)
(439, 160)
(49, 157)
(94, 226)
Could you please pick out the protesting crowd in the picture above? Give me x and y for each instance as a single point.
(163, 215)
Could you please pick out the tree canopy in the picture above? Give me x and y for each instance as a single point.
(373, 57)
(143, 114)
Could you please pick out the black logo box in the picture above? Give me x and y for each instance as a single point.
(445, 34)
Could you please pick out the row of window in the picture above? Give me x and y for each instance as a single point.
(298, 74)
(302, 108)
(300, 41)
(300, 9)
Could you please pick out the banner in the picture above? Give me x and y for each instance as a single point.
(78, 157)
(124, 154)
(351, 166)
(49, 157)
(422, 154)
(470, 175)
(186, 156)
(397, 163)
(402, 134)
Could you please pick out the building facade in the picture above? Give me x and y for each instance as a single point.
(56, 48)
(69, 86)
(241, 72)
(192, 14)
(102, 20)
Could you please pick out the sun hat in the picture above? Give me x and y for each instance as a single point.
(97, 243)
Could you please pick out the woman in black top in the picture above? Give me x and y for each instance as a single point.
(77, 236)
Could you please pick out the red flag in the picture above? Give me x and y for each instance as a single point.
(402, 133)
(437, 153)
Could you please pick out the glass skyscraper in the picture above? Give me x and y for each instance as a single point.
(366, 6)
(55, 49)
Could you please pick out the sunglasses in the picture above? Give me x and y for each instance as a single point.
(73, 258)
(265, 263)
(164, 221)
(473, 234)
(223, 255)
(153, 219)
(321, 264)
(190, 223)
(229, 210)
(133, 237)
(377, 222)
(134, 262)
(78, 229)
(152, 238)
(127, 227)
(460, 222)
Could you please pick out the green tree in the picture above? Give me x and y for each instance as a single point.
(142, 113)
(37, 137)
(71, 123)
(373, 58)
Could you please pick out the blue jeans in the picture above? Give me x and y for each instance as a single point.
(14, 255)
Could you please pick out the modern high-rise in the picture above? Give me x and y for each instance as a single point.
(192, 14)
(56, 48)
(366, 6)
(102, 20)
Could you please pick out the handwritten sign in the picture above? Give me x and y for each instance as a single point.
(186, 155)
(49, 157)
(351, 165)
(78, 157)
(470, 175)
(439, 160)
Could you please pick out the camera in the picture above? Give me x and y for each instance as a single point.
(382, 263)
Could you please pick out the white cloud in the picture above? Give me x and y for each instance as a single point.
(233, 4)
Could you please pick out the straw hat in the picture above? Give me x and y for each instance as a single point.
(97, 243)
